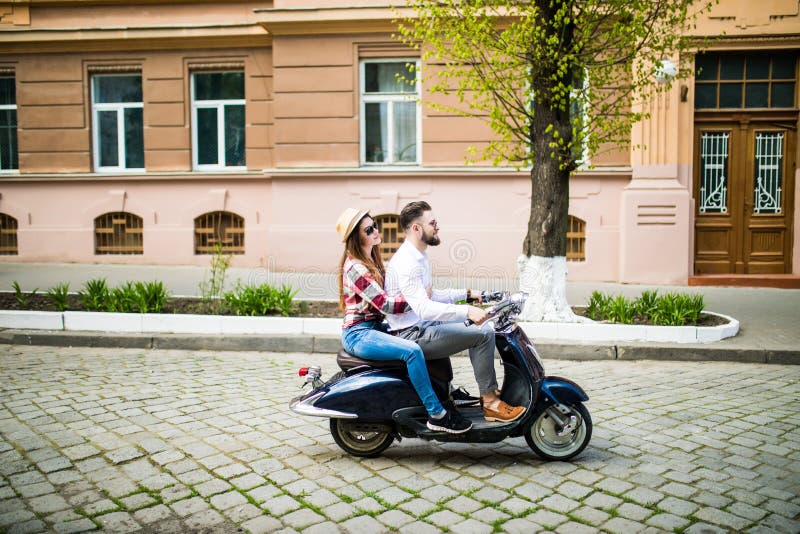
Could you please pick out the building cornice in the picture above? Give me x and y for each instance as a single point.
(749, 42)
(333, 20)
(132, 38)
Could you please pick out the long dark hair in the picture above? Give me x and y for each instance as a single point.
(352, 249)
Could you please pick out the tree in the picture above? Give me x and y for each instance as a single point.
(555, 80)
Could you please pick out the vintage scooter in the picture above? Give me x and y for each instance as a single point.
(371, 403)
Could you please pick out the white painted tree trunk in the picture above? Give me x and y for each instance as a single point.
(545, 282)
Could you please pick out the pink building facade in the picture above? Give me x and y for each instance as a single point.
(151, 133)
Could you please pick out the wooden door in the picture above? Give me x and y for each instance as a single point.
(744, 190)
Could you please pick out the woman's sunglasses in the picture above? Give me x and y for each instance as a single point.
(372, 228)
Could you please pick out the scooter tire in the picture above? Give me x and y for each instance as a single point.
(541, 435)
(354, 440)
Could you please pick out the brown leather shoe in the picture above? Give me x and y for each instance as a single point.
(504, 413)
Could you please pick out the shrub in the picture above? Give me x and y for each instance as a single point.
(22, 298)
(669, 309)
(95, 295)
(151, 296)
(620, 310)
(596, 310)
(123, 298)
(59, 295)
(260, 300)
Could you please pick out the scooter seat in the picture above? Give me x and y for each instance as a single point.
(348, 361)
(440, 369)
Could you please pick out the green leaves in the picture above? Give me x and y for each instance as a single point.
(129, 297)
(260, 300)
(59, 295)
(669, 309)
(489, 58)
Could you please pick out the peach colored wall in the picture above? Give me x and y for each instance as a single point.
(56, 219)
(54, 107)
(482, 231)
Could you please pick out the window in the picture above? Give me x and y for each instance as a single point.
(392, 234)
(218, 120)
(118, 232)
(219, 228)
(390, 113)
(8, 124)
(118, 125)
(8, 235)
(745, 81)
(576, 239)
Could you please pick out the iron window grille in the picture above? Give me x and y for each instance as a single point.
(118, 232)
(8, 235)
(576, 239)
(392, 234)
(221, 231)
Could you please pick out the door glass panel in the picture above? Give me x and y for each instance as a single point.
(757, 67)
(769, 173)
(714, 172)
(755, 95)
(783, 95)
(705, 67)
(705, 96)
(730, 95)
(731, 67)
(783, 66)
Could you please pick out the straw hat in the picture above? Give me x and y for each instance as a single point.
(348, 221)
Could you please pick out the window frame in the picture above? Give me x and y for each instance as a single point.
(371, 98)
(12, 107)
(219, 104)
(119, 108)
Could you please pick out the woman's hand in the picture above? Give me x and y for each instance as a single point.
(429, 291)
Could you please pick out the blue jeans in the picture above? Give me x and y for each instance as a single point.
(369, 341)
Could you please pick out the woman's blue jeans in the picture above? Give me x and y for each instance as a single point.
(369, 341)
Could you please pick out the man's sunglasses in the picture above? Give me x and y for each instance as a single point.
(372, 228)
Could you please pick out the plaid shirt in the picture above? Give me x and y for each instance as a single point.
(364, 298)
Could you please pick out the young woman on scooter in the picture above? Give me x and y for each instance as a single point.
(361, 296)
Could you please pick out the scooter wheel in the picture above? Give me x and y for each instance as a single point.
(548, 439)
(366, 440)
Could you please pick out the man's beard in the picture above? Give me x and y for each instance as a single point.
(430, 239)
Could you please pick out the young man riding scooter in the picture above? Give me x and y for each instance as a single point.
(435, 323)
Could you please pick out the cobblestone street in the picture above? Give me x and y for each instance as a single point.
(172, 441)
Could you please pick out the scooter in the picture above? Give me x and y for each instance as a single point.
(371, 403)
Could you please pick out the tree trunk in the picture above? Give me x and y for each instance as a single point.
(543, 269)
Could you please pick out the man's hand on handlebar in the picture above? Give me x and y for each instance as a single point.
(476, 315)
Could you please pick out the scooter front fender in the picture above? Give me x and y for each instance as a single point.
(562, 390)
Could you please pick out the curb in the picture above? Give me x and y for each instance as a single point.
(548, 349)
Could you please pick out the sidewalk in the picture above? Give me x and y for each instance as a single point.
(770, 318)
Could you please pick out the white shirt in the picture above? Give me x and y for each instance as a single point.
(409, 273)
